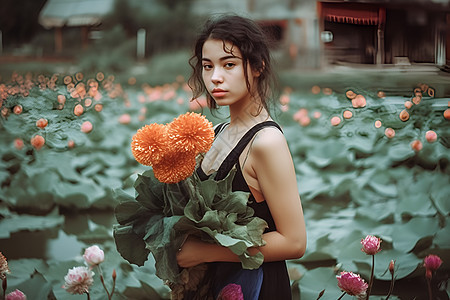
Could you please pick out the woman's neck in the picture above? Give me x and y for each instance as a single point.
(247, 114)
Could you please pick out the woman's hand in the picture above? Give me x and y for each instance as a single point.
(193, 252)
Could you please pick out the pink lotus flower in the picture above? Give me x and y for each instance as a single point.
(94, 255)
(78, 280)
(231, 292)
(432, 262)
(16, 295)
(371, 245)
(352, 284)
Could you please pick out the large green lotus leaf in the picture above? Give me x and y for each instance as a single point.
(16, 223)
(128, 211)
(130, 245)
(400, 151)
(81, 194)
(378, 211)
(440, 191)
(441, 238)
(108, 182)
(316, 280)
(341, 182)
(149, 191)
(360, 143)
(163, 242)
(311, 186)
(35, 287)
(318, 257)
(416, 204)
(405, 263)
(383, 183)
(60, 161)
(24, 268)
(335, 152)
(406, 235)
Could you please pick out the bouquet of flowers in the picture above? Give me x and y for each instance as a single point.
(172, 202)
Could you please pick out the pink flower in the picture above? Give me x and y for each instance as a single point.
(16, 295)
(86, 127)
(4, 269)
(78, 280)
(432, 262)
(231, 292)
(371, 245)
(352, 284)
(94, 255)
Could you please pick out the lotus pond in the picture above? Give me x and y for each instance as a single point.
(378, 165)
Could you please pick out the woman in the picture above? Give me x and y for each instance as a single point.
(232, 66)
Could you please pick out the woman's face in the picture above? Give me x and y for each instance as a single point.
(223, 73)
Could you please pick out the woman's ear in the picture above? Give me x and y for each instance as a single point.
(257, 73)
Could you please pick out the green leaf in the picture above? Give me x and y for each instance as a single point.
(130, 245)
(405, 236)
(15, 223)
(317, 280)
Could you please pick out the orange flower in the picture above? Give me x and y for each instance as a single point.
(149, 144)
(37, 142)
(190, 132)
(175, 166)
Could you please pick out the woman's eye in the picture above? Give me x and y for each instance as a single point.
(229, 65)
(207, 67)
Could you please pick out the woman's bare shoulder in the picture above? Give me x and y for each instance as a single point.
(269, 138)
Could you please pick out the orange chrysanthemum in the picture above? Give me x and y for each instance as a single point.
(149, 144)
(175, 166)
(191, 132)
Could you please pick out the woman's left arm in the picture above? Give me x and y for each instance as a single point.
(272, 163)
(273, 167)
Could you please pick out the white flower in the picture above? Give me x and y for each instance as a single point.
(94, 255)
(78, 280)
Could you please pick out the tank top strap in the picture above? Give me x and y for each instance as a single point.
(233, 156)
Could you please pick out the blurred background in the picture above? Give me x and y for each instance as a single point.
(85, 75)
(124, 35)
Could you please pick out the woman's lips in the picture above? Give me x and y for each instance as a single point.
(218, 92)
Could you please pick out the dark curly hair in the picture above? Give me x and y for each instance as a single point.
(253, 43)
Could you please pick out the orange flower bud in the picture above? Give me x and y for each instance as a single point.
(37, 142)
(335, 121)
(41, 123)
(391, 267)
(18, 109)
(78, 110)
(416, 145)
(389, 132)
(431, 136)
(408, 104)
(86, 127)
(347, 114)
(404, 115)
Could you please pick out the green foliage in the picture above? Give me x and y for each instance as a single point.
(163, 215)
(353, 181)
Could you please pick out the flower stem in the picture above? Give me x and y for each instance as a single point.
(114, 285)
(88, 296)
(4, 286)
(371, 278)
(430, 293)
(103, 282)
(391, 288)
(343, 294)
